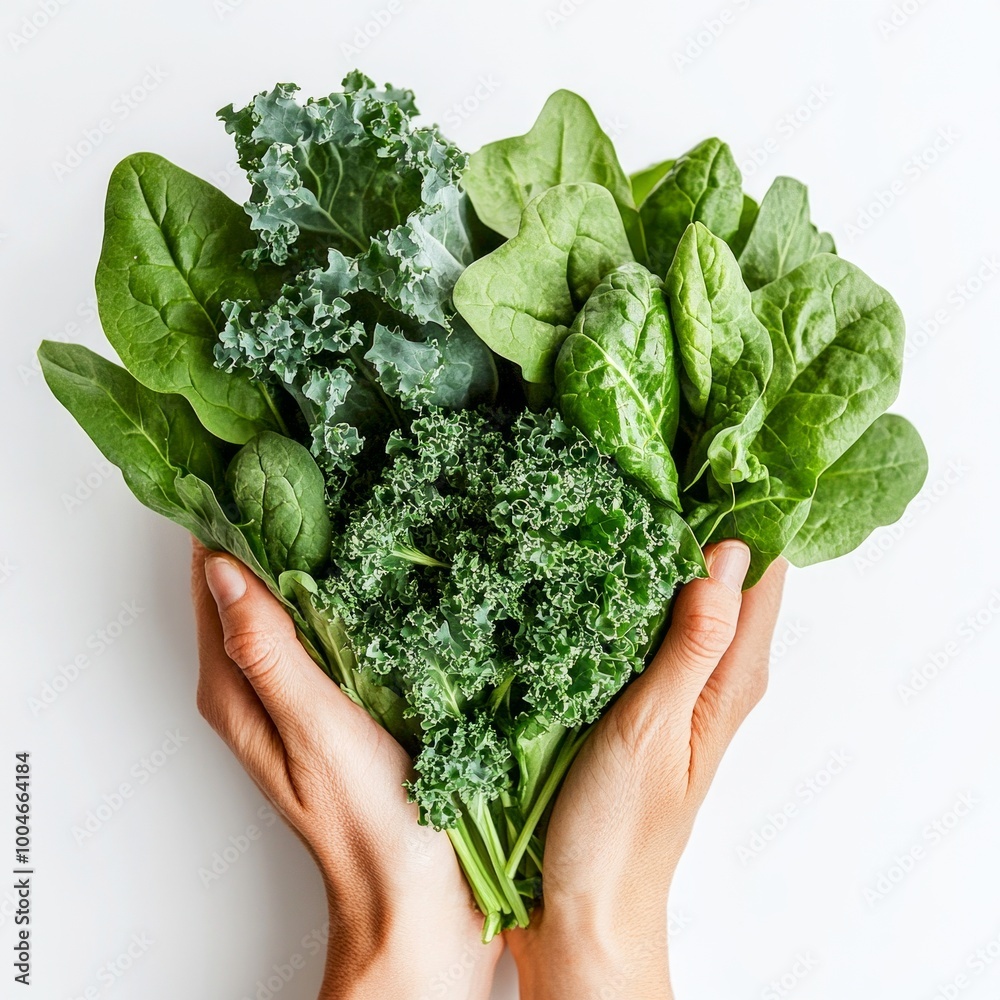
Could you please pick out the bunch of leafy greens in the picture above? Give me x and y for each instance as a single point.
(472, 418)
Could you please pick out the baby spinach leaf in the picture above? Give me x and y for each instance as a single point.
(702, 186)
(747, 219)
(150, 436)
(616, 380)
(867, 487)
(837, 341)
(171, 256)
(521, 298)
(643, 181)
(566, 145)
(781, 236)
(725, 355)
(281, 496)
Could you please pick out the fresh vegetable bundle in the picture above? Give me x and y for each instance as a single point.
(472, 418)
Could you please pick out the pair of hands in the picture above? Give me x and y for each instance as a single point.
(402, 920)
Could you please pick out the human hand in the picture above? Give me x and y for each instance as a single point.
(626, 809)
(402, 919)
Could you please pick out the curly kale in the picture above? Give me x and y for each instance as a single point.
(363, 209)
(500, 575)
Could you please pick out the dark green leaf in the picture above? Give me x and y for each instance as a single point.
(171, 256)
(616, 377)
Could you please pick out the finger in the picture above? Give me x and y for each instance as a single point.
(702, 627)
(740, 680)
(226, 699)
(259, 637)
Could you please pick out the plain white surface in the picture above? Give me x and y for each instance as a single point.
(886, 83)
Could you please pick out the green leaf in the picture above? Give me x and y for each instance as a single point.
(281, 496)
(869, 486)
(150, 436)
(837, 342)
(747, 219)
(725, 355)
(702, 186)
(171, 256)
(566, 145)
(782, 235)
(616, 377)
(643, 181)
(522, 298)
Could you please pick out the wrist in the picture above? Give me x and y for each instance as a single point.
(594, 952)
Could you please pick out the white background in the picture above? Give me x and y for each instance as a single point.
(75, 546)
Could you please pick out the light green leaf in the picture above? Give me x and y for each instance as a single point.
(566, 145)
(702, 186)
(522, 298)
(616, 378)
(171, 256)
(867, 487)
(643, 181)
(782, 236)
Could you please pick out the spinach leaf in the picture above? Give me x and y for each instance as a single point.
(725, 355)
(747, 219)
(616, 380)
(643, 181)
(782, 235)
(867, 487)
(566, 145)
(281, 496)
(171, 256)
(521, 298)
(702, 186)
(837, 344)
(150, 436)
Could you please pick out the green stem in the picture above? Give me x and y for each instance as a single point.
(484, 823)
(272, 406)
(548, 790)
(478, 877)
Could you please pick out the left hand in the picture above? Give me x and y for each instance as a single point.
(402, 919)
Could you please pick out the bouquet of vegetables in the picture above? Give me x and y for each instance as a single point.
(471, 418)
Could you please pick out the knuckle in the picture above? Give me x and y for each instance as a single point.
(256, 653)
(707, 633)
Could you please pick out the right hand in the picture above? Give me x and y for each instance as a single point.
(626, 809)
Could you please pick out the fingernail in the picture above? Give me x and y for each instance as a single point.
(225, 580)
(729, 565)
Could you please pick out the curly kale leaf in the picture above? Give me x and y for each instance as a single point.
(502, 573)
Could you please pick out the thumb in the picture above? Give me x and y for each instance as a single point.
(702, 628)
(259, 637)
